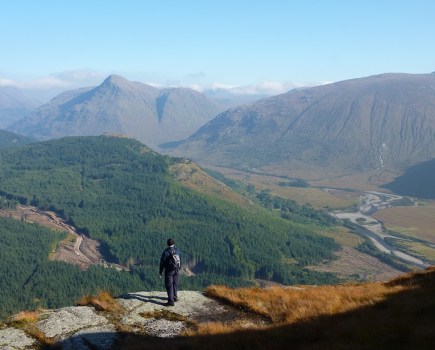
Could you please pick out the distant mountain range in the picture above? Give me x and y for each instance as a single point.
(9, 139)
(384, 121)
(120, 106)
(14, 105)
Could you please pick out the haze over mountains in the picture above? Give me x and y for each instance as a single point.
(120, 106)
(14, 105)
(379, 122)
(383, 121)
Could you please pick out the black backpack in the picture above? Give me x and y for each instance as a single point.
(173, 262)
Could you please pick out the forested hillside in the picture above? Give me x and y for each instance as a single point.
(120, 192)
(29, 280)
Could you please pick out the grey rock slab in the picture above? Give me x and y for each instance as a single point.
(190, 303)
(63, 322)
(193, 306)
(163, 328)
(12, 338)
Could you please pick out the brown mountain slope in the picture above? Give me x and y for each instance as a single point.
(385, 121)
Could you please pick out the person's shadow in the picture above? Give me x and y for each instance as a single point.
(153, 299)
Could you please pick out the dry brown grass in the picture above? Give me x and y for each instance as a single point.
(192, 176)
(26, 320)
(103, 301)
(289, 305)
(164, 314)
(25, 317)
(286, 306)
(216, 328)
(395, 315)
(413, 221)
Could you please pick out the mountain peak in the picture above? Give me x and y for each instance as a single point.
(114, 79)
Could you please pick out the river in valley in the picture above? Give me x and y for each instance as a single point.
(366, 225)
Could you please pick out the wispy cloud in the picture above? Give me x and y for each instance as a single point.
(61, 80)
(263, 88)
(80, 76)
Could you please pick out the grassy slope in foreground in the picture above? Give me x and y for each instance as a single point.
(395, 315)
(120, 192)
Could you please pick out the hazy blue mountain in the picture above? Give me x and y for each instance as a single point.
(362, 124)
(14, 105)
(120, 106)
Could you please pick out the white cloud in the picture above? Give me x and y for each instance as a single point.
(153, 84)
(62, 80)
(7, 82)
(265, 87)
(262, 88)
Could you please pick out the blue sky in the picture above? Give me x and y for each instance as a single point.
(270, 45)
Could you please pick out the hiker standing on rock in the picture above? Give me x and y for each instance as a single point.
(171, 263)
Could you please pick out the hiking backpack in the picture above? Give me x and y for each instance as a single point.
(174, 260)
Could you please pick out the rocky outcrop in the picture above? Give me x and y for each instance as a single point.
(84, 327)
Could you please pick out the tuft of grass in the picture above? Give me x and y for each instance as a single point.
(26, 320)
(216, 328)
(163, 314)
(103, 301)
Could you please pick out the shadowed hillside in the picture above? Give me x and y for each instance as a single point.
(417, 181)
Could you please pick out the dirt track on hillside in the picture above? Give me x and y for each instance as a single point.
(75, 249)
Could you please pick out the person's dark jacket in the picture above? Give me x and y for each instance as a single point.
(165, 259)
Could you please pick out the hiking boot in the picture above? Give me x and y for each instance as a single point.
(175, 299)
(169, 303)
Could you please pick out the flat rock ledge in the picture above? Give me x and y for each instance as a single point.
(84, 328)
(11, 338)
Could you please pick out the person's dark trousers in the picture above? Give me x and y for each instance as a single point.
(171, 284)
